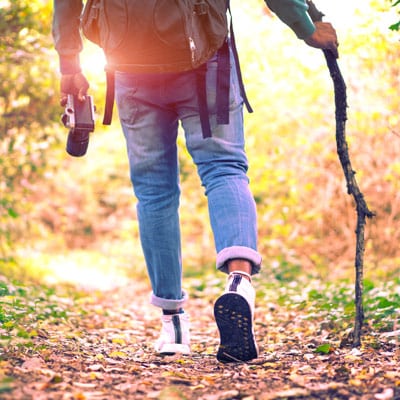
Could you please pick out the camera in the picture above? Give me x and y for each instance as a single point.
(79, 118)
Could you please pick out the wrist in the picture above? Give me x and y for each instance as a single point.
(69, 64)
(304, 28)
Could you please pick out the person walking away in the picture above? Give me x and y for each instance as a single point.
(151, 103)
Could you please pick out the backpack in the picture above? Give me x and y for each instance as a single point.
(156, 35)
(163, 36)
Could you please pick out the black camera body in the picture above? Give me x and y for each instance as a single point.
(79, 118)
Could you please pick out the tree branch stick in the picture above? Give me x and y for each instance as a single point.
(362, 209)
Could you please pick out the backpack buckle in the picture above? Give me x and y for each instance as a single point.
(201, 8)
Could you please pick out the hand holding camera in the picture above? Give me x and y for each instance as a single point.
(79, 118)
(79, 112)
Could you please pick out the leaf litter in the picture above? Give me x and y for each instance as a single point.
(98, 345)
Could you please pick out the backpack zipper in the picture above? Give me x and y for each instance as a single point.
(188, 33)
(192, 46)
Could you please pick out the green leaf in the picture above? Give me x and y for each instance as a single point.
(8, 325)
(395, 27)
(12, 213)
(4, 291)
(6, 384)
(22, 333)
(325, 348)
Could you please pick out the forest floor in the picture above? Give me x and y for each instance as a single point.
(71, 343)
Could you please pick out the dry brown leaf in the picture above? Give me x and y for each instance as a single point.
(33, 364)
(282, 394)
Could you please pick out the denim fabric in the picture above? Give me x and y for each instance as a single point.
(150, 108)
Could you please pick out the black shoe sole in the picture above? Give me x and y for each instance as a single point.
(234, 320)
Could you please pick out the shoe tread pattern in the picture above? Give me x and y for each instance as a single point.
(234, 320)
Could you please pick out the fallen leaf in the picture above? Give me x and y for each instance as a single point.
(171, 393)
(85, 385)
(32, 364)
(325, 348)
(95, 367)
(282, 394)
(387, 394)
(118, 354)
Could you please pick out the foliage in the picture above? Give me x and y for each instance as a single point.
(22, 308)
(305, 214)
(334, 304)
(306, 217)
(27, 108)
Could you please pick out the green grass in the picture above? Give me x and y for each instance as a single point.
(334, 301)
(26, 308)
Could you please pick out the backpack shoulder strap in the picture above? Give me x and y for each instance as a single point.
(110, 94)
(223, 84)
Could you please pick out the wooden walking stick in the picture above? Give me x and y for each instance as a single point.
(362, 209)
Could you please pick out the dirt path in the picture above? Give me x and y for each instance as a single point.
(104, 351)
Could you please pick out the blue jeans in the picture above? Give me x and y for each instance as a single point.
(150, 107)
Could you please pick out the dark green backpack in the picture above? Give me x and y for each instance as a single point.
(164, 36)
(156, 35)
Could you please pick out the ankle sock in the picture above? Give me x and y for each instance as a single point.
(173, 312)
(248, 276)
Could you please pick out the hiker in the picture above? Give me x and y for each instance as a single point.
(154, 92)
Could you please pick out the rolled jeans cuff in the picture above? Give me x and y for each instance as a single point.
(241, 252)
(168, 304)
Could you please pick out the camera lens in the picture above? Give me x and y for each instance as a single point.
(77, 143)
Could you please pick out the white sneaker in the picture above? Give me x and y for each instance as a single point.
(234, 312)
(175, 335)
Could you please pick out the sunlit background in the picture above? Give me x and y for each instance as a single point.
(74, 219)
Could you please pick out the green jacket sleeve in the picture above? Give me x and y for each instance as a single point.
(294, 14)
(66, 34)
